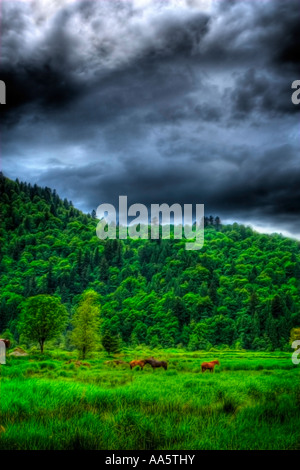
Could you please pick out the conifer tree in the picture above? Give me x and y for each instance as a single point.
(110, 342)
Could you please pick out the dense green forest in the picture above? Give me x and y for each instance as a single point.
(240, 290)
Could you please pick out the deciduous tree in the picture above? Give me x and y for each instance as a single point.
(43, 317)
(86, 323)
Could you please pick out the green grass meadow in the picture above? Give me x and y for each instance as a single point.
(251, 401)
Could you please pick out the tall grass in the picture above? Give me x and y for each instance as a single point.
(252, 402)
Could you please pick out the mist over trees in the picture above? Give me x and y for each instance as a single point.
(241, 289)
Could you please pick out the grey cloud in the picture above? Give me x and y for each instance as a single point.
(262, 92)
(162, 103)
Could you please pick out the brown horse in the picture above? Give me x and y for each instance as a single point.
(137, 363)
(154, 364)
(209, 366)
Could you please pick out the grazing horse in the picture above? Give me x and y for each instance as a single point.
(137, 363)
(154, 364)
(209, 365)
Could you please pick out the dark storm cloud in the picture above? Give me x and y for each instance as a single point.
(56, 68)
(268, 29)
(262, 92)
(281, 37)
(259, 187)
(159, 102)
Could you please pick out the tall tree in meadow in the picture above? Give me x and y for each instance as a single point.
(43, 318)
(86, 323)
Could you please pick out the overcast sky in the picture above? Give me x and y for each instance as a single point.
(185, 101)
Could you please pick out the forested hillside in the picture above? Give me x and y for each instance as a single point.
(241, 289)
